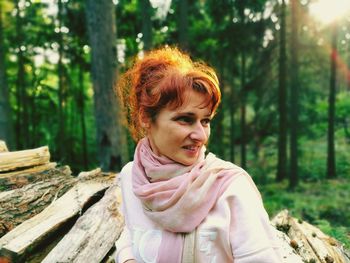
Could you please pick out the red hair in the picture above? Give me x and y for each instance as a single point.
(159, 80)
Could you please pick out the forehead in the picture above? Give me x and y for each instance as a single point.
(194, 101)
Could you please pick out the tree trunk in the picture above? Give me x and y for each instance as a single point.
(81, 105)
(232, 124)
(282, 100)
(61, 93)
(294, 99)
(331, 167)
(183, 24)
(243, 112)
(21, 120)
(110, 135)
(6, 129)
(146, 24)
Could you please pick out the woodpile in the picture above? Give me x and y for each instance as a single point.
(309, 242)
(49, 215)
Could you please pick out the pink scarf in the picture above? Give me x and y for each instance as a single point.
(177, 197)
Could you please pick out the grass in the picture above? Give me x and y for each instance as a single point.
(325, 204)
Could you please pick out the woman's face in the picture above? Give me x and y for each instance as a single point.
(180, 134)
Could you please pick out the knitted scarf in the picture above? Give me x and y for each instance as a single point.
(178, 197)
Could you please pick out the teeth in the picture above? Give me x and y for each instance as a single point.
(191, 147)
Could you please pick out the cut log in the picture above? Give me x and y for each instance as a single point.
(90, 174)
(94, 234)
(13, 160)
(17, 179)
(20, 204)
(31, 233)
(310, 242)
(3, 147)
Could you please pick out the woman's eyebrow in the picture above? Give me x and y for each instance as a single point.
(191, 114)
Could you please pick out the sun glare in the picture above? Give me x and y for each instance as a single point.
(328, 11)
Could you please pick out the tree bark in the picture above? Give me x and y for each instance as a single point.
(17, 179)
(282, 100)
(331, 166)
(111, 139)
(94, 234)
(23, 203)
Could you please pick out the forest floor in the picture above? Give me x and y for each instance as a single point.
(325, 204)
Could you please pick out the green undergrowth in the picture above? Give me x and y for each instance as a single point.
(325, 204)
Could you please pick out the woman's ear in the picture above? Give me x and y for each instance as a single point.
(144, 121)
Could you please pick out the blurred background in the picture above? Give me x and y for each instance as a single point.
(284, 75)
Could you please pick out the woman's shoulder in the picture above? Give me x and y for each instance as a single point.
(241, 185)
(124, 174)
(127, 168)
(216, 163)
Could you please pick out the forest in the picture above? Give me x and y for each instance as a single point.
(284, 76)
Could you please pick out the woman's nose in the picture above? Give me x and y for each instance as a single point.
(199, 133)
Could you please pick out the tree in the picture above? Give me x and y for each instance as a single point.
(294, 98)
(331, 169)
(102, 35)
(146, 23)
(282, 99)
(61, 84)
(22, 121)
(6, 129)
(183, 24)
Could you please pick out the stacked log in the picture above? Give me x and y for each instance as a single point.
(39, 201)
(28, 183)
(309, 242)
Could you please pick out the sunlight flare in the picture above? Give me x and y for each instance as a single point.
(328, 11)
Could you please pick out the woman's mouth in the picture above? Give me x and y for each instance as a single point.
(191, 149)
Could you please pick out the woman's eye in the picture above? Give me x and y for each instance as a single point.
(185, 119)
(205, 122)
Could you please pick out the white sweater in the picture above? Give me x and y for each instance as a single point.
(237, 229)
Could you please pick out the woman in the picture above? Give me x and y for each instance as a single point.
(181, 205)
